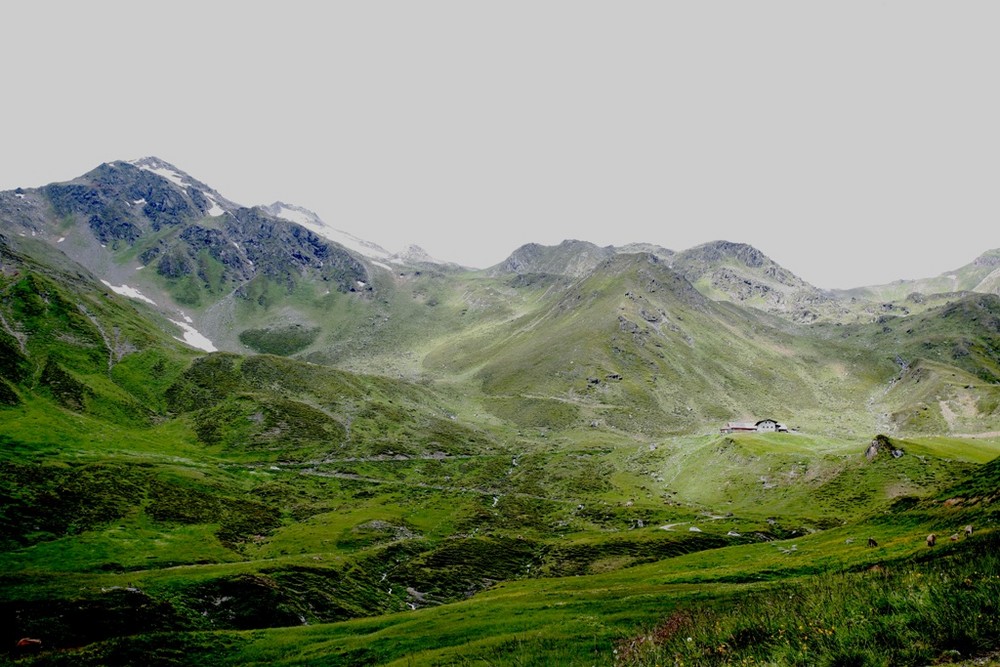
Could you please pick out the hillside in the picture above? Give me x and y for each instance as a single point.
(217, 419)
(640, 350)
(980, 275)
(740, 273)
(147, 228)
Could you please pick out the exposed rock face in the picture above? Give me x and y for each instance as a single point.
(569, 258)
(414, 254)
(739, 272)
(661, 253)
(280, 249)
(742, 288)
(988, 259)
(121, 201)
(129, 204)
(879, 444)
(705, 258)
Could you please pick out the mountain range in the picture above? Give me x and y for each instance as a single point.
(217, 417)
(688, 332)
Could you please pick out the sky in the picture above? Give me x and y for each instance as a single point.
(854, 143)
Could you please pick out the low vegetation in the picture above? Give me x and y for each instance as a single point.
(917, 612)
(484, 495)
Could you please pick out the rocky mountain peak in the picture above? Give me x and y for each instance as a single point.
(181, 179)
(990, 258)
(571, 258)
(711, 257)
(659, 251)
(414, 254)
(715, 251)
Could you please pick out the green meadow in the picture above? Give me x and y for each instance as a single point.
(472, 468)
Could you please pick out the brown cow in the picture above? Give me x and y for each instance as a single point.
(872, 542)
(931, 540)
(968, 530)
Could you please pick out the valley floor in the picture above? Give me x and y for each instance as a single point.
(573, 549)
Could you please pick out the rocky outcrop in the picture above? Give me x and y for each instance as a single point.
(569, 258)
(881, 444)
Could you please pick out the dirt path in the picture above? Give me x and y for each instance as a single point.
(984, 434)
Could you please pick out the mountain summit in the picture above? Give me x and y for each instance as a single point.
(743, 274)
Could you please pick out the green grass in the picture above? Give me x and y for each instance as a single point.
(550, 548)
(919, 612)
(489, 496)
(282, 341)
(570, 620)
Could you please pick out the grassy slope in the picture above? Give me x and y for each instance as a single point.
(234, 492)
(685, 364)
(966, 278)
(566, 621)
(330, 537)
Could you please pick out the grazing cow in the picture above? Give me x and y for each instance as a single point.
(872, 542)
(968, 530)
(931, 540)
(954, 538)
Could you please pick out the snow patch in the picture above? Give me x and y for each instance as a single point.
(19, 195)
(130, 292)
(312, 222)
(61, 239)
(139, 202)
(216, 210)
(193, 338)
(384, 266)
(168, 174)
(298, 216)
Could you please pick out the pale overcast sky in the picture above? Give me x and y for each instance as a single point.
(853, 142)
